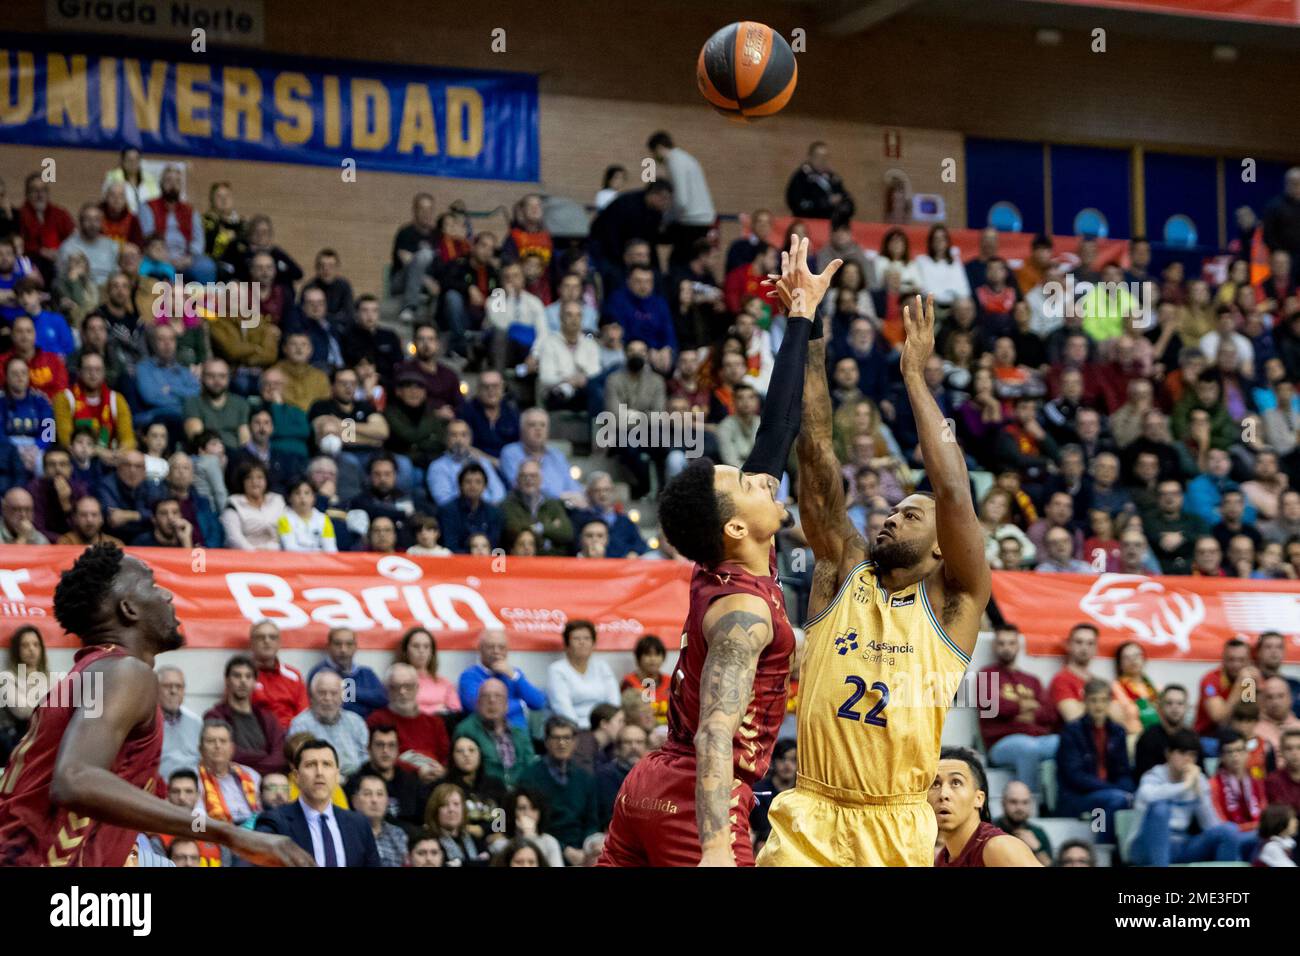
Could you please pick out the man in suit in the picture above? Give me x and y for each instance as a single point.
(335, 837)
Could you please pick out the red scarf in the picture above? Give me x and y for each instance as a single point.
(100, 415)
(532, 242)
(1240, 801)
(214, 802)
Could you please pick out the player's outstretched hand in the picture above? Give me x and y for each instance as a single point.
(269, 849)
(918, 344)
(800, 289)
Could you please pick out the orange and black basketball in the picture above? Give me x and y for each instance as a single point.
(747, 70)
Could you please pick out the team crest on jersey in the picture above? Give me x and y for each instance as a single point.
(907, 601)
(862, 592)
(848, 641)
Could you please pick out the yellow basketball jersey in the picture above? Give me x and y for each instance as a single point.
(877, 677)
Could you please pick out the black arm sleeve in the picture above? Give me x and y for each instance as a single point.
(783, 408)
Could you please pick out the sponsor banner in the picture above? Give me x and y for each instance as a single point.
(239, 105)
(220, 594)
(1277, 12)
(1185, 618)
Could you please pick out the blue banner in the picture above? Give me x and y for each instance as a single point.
(428, 121)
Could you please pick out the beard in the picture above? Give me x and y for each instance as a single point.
(171, 195)
(890, 554)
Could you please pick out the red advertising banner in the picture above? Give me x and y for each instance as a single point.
(220, 593)
(1186, 618)
(1277, 12)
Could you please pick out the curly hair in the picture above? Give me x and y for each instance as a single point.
(692, 513)
(83, 588)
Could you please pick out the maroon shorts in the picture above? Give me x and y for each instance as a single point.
(654, 816)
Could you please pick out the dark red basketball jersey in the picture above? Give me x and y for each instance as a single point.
(972, 854)
(752, 747)
(35, 831)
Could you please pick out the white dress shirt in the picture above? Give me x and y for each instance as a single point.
(314, 828)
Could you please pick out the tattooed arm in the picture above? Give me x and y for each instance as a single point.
(822, 513)
(738, 626)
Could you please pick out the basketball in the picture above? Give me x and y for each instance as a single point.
(747, 70)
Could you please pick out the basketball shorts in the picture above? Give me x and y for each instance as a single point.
(816, 826)
(654, 816)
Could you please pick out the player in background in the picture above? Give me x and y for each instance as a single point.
(890, 632)
(959, 797)
(689, 802)
(79, 786)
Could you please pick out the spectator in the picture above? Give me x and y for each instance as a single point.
(312, 319)
(1281, 217)
(1017, 812)
(1135, 695)
(305, 384)
(569, 792)
(469, 513)
(571, 289)
(1270, 652)
(437, 694)
(647, 679)
(163, 384)
(381, 536)
(1275, 711)
(170, 529)
(216, 409)
(425, 850)
(181, 726)
(371, 800)
(280, 687)
(493, 662)
(336, 289)
(1065, 692)
(485, 796)
(692, 207)
(816, 191)
(406, 794)
(257, 736)
(1205, 492)
(743, 250)
(441, 383)
(624, 537)
(557, 480)
(445, 819)
(230, 789)
(195, 508)
(1075, 853)
(334, 836)
(183, 791)
(1172, 531)
(1277, 832)
(381, 498)
(91, 401)
(250, 348)
(415, 437)
(567, 360)
(223, 228)
(1223, 687)
(365, 337)
(423, 748)
(281, 466)
(643, 314)
(127, 497)
(89, 240)
(54, 494)
(365, 691)
(635, 215)
(1019, 735)
(1283, 785)
(140, 185)
(302, 526)
(1170, 796)
(527, 507)
(506, 748)
(180, 226)
(577, 682)
(444, 473)
(47, 372)
(1286, 525)
(1092, 764)
(88, 525)
(1059, 545)
(43, 226)
(327, 719)
(17, 526)
(251, 519)
(736, 432)
(1238, 797)
(290, 429)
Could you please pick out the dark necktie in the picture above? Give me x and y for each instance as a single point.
(327, 838)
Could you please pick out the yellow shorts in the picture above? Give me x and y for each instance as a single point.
(809, 829)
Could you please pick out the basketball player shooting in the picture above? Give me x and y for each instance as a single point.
(688, 803)
(891, 628)
(78, 788)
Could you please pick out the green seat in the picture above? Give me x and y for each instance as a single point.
(1124, 820)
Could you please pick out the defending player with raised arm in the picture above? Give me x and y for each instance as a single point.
(77, 789)
(688, 803)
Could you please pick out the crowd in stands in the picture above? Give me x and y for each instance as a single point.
(1152, 433)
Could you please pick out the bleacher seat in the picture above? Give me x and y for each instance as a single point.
(1061, 830)
(1047, 774)
(1124, 820)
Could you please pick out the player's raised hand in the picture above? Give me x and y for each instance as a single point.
(801, 290)
(918, 327)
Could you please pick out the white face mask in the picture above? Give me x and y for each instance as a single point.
(331, 445)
